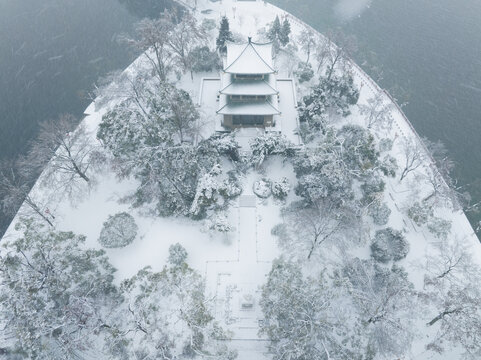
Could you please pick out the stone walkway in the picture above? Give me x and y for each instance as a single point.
(236, 284)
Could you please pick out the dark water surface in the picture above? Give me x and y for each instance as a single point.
(430, 55)
(51, 53)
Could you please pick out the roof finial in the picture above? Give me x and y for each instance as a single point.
(250, 39)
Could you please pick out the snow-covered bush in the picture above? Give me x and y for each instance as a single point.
(230, 187)
(263, 188)
(281, 188)
(372, 188)
(177, 255)
(385, 144)
(213, 191)
(219, 223)
(439, 227)
(380, 213)
(118, 231)
(225, 144)
(270, 143)
(388, 166)
(420, 213)
(389, 244)
(304, 72)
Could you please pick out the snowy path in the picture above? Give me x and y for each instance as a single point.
(236, 284)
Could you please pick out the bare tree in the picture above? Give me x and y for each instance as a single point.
(307, 228)
(444, 187)
(452, 286)
(184, 118)
(152, 39)
(414, 155)
(335, 52)
(307, 40)
(184, 37)
(377, 112)
(65, 154)
(385, 300)
(290, 59)
(15, 190)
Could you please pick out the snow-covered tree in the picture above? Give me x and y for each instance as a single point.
(274, 33)
(451, 285)
(167, 316)
(55, 295)
(177, 255)
(171, 180)
(185, 35)
(414, 156)
(322, 173)
(380, 213)
(306, 230)
(385, 300)
(334, 95)
(378, 113)
(289, 59)
(334, 53)
(420, 213)
(226, 144)
(357, 150)
(439, 227)
(219, 223)
(299, 318)
(279, 33)
(304, 72)
(147, 139)
(118, 231)
(224, 35)
(202, 59)
(151, 38)
(439, 176)
(281, 188)
(389, 244)
(212, 192)
(267, 144)
(67, 154)
(15, 191)
(285, 32)
(372, 190)
(307, 41)
(184, 116)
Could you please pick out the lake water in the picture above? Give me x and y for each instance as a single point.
(51, 53)
(429, 52)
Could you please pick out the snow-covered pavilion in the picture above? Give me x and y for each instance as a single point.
(248, 95)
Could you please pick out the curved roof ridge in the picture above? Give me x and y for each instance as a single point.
(270, 67)
(251, 44)
(237, 58)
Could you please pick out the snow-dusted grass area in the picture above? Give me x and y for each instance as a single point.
(236, 264)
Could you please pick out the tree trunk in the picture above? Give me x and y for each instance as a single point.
(441, 316)
(80, 172)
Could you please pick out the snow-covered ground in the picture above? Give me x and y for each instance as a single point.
(236, 264)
